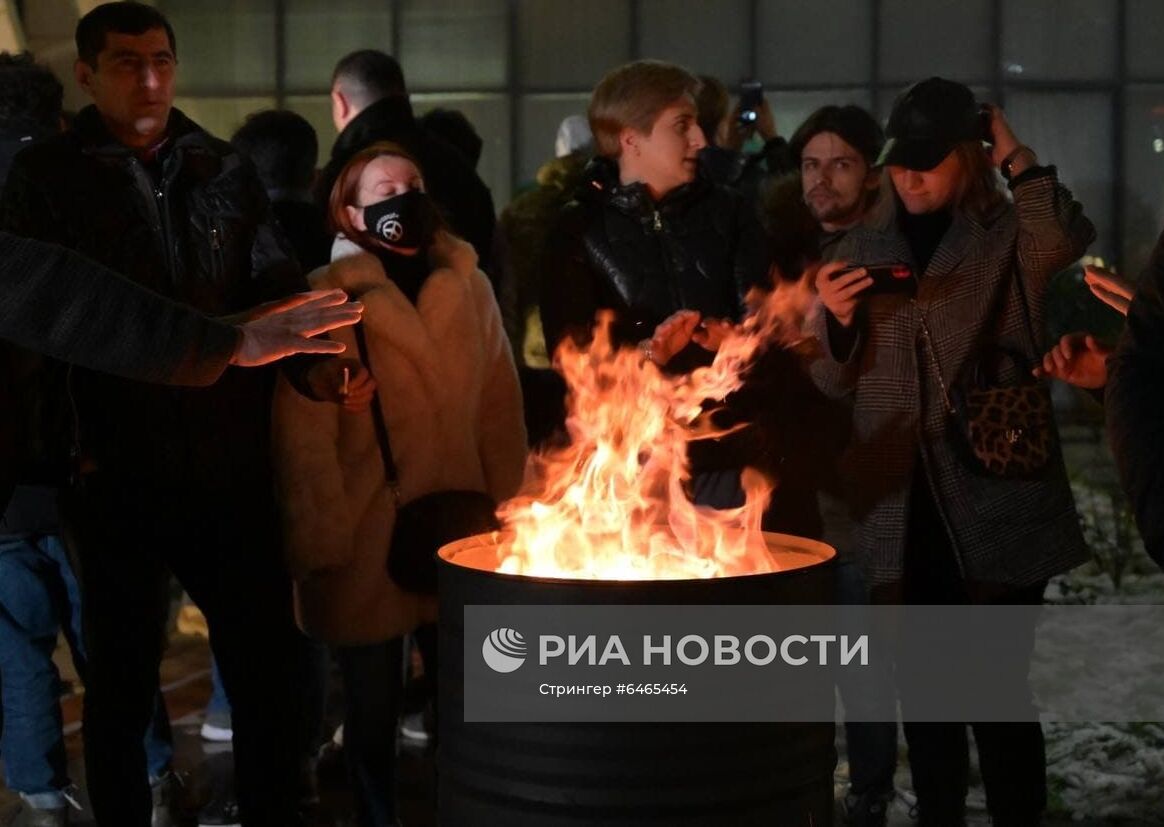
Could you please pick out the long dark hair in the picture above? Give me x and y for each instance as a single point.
(979, 194)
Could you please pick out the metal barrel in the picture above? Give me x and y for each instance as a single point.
(618, 774)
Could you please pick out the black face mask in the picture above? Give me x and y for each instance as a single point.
(407, 220)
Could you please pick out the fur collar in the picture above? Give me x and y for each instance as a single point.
(359, 273)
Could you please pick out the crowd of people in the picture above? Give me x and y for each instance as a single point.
(146, 433)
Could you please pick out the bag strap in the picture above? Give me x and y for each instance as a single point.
(378, 423)
(1028, 326)
(933, 360)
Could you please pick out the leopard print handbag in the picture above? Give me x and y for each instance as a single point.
(1007, 429)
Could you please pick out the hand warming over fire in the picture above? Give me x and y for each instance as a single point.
(1114, 291)
(681, 328)
(1077, 359)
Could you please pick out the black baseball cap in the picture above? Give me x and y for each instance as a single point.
(928, 120)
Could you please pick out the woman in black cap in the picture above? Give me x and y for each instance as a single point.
(937, 524)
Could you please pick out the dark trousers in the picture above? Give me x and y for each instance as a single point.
(225, 553)
(373, 678)
(870, 698)
(1012, 756)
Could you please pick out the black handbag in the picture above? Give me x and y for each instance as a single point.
(1006, 430)
(428, 522)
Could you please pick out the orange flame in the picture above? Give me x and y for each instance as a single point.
(612, 504)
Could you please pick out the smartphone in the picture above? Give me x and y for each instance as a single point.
(887, 279)
(751, 99)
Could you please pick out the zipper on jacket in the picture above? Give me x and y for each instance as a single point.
(167, 230)
(155, 198)
(672, 277)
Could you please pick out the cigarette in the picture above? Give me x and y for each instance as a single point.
(347, 377)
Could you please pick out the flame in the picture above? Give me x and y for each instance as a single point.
(612, 504)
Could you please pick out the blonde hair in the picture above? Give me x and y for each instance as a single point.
(632, 96)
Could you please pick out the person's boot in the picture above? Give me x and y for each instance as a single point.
(217, 727)
(220, 811)
(869, 809)
(54, 816)
(164, 792)
(29, 816)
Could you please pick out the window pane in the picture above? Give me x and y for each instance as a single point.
(1143, 175)
(920, 38)
(223, 47)
(320, 32)
(222, 116)
(567, 44)
(1073, 131)
(828, 41)
(678, 30)
(1145, 23)
(793, 108)
(540, 117)
(454, 44)
(1079, 46)
(489, 115)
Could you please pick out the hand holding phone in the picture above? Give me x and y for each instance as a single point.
(885, 279)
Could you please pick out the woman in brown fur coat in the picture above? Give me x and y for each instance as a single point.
(450, 399)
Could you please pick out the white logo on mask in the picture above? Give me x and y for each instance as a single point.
(389, 227)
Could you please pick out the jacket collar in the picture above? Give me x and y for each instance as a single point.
(965, 231)
(601, 183)
(360, 272)
(387, 115)
(89, 128)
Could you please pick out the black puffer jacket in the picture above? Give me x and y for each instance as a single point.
(196, 228)
(699, 248)
(448, 177)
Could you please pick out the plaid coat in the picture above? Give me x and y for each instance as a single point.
(1011, 533)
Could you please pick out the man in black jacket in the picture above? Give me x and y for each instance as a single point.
(647, 234)
(170, 478)
(647, 237)
(369, 103)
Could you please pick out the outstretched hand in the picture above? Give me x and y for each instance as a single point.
(282, 328)
(683, 327)
(1114, 291)
(1078, 359)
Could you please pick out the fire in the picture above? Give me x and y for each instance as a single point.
(612, 505)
